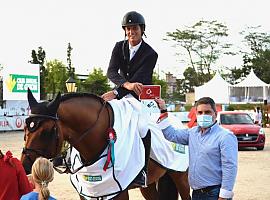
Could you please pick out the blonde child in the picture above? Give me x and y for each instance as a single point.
(42, 174)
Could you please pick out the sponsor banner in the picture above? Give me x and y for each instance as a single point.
(12, 123)
(16, 81)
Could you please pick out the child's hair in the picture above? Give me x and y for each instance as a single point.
(42, 174)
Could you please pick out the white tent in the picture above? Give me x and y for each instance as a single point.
(251, 89)
(217, 88)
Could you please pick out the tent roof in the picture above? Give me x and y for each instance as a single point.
(216, 81)
(251, 81)
(217, 88)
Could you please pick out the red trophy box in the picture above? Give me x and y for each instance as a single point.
(150, 92)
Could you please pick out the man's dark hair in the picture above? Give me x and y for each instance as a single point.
(206, 100)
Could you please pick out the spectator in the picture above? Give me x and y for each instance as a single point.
(42, 174)
(13, 180)
(258, 116)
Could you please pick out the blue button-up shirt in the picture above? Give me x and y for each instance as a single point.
(212, 155)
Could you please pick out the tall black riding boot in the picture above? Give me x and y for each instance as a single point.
(147, 146)
(141, 179)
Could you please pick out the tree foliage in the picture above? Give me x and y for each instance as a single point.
(56, 77)
(69, 61)
(158, 81)
(257, 57)
(39, 58)
(203, 44)
(96, 83)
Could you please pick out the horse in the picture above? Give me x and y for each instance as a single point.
(85, 121)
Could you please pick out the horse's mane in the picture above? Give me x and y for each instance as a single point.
(78, 95)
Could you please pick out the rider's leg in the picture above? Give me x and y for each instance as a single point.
(141, 179)
(147, 145)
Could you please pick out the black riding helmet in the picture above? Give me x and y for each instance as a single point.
(133, 18)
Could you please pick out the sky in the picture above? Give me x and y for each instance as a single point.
(93, 28)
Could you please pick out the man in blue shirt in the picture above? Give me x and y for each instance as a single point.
(212, 152)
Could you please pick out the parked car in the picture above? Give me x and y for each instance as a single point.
(241, 124)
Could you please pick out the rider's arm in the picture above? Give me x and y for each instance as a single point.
(114, 66)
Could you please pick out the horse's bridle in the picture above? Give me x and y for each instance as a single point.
(27, 151)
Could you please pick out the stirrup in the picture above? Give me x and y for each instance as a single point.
(145, 179)
(141, 179)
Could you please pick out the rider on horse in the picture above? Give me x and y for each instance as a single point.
(131, 66)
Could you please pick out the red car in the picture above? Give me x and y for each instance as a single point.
(241, 124)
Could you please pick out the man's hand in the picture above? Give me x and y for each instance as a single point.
(136, 87)
(108, 96)
(161, 104)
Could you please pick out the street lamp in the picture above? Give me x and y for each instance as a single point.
(71, 84)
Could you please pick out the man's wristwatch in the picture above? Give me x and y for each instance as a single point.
(115, 92)
(163, 110)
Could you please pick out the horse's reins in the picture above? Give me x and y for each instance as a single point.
(90, 128)
(68, 170)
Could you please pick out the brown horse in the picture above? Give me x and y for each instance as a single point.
(83, 120)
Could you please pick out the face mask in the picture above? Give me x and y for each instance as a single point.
(204, 121)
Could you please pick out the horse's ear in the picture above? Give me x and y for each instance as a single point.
(31, 99)
(54, 104)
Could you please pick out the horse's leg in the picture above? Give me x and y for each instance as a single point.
(181, 181)
(167, 189)
(150, 192)
(82, 198)
(122, 196)
(154, 173)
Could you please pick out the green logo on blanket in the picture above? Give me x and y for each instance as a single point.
(92, 178)
(178, 148)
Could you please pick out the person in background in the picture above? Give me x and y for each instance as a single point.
(13, 180)
(131, 66)
(213, 152)
(42, 174)
(258, 116)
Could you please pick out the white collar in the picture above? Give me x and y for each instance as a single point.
(135, 48)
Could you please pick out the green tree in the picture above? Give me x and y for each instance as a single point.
(258, 55)
(69, 62)
(56, 77)
(158, 81)
(39, 58)
(203, 44)
(96, 83)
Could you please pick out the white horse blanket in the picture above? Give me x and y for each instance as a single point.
(131, 122)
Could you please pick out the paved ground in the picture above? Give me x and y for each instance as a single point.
(253, 180)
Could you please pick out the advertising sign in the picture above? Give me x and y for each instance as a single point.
(12, 123)
(16, 81)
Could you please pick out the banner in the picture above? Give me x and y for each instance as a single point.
(16, 81)
(12, 123)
